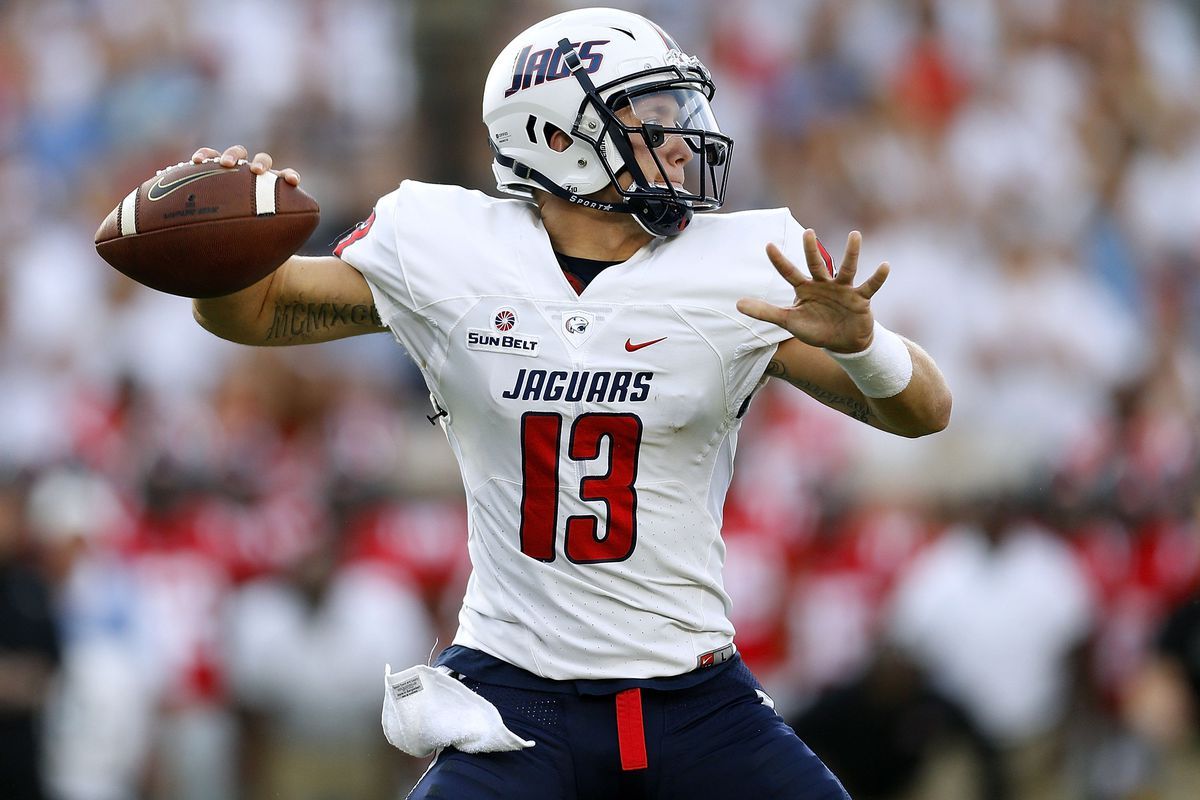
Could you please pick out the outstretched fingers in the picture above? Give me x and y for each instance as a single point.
(818, 268)
(849, 267)
(872, 284)
(785, 267)
(768, 312)
(762, 310)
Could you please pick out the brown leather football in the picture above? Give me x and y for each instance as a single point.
(203, 230)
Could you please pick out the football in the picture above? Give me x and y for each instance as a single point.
(203, 230)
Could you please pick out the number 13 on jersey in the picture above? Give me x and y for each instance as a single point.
(541, 455)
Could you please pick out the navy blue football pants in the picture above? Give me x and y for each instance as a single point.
(716, 739)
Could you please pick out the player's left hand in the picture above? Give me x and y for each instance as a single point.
(829, 311)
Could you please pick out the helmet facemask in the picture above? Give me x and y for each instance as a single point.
(665, 112)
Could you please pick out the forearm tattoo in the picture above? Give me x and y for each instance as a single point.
(298, 320)
(849, 405)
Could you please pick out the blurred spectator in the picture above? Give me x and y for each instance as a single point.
(1048, 344)
(928, 86)
(882, 730)
(306, 653)
(101, 709)
(997, 611)
(1164, 702)
(181, 583)
(29, 651)
(419, 540)
(843, 581)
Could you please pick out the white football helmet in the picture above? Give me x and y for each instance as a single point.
(575, 72)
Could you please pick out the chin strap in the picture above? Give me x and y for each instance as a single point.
(657, 217)
(528, 173)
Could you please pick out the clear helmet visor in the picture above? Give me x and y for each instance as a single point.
(677, 144)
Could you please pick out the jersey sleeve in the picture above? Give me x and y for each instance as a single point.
(421, 269)
(374, 249)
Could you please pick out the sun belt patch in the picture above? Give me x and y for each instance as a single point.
(495, 342)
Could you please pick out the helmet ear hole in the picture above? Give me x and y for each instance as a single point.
(556, 137)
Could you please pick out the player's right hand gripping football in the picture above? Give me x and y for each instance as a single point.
(829, 310)
(233, 155)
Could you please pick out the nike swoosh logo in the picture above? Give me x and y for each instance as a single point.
(631, 347)
(158, 190)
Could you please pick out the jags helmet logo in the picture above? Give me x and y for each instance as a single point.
(535, 67)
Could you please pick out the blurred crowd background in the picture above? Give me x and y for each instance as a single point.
(208, 552)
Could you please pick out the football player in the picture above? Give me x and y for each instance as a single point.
(590, 348)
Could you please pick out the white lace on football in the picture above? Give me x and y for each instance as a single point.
(128, 214)
(264, 193)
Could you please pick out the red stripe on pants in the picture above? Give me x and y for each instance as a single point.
(631, 738)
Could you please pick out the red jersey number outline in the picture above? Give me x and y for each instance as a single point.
(541, 440)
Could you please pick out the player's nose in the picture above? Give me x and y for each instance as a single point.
(675, 151)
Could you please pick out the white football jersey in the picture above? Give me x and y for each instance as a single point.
(595, 432)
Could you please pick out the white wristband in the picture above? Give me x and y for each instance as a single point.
(883, 369)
